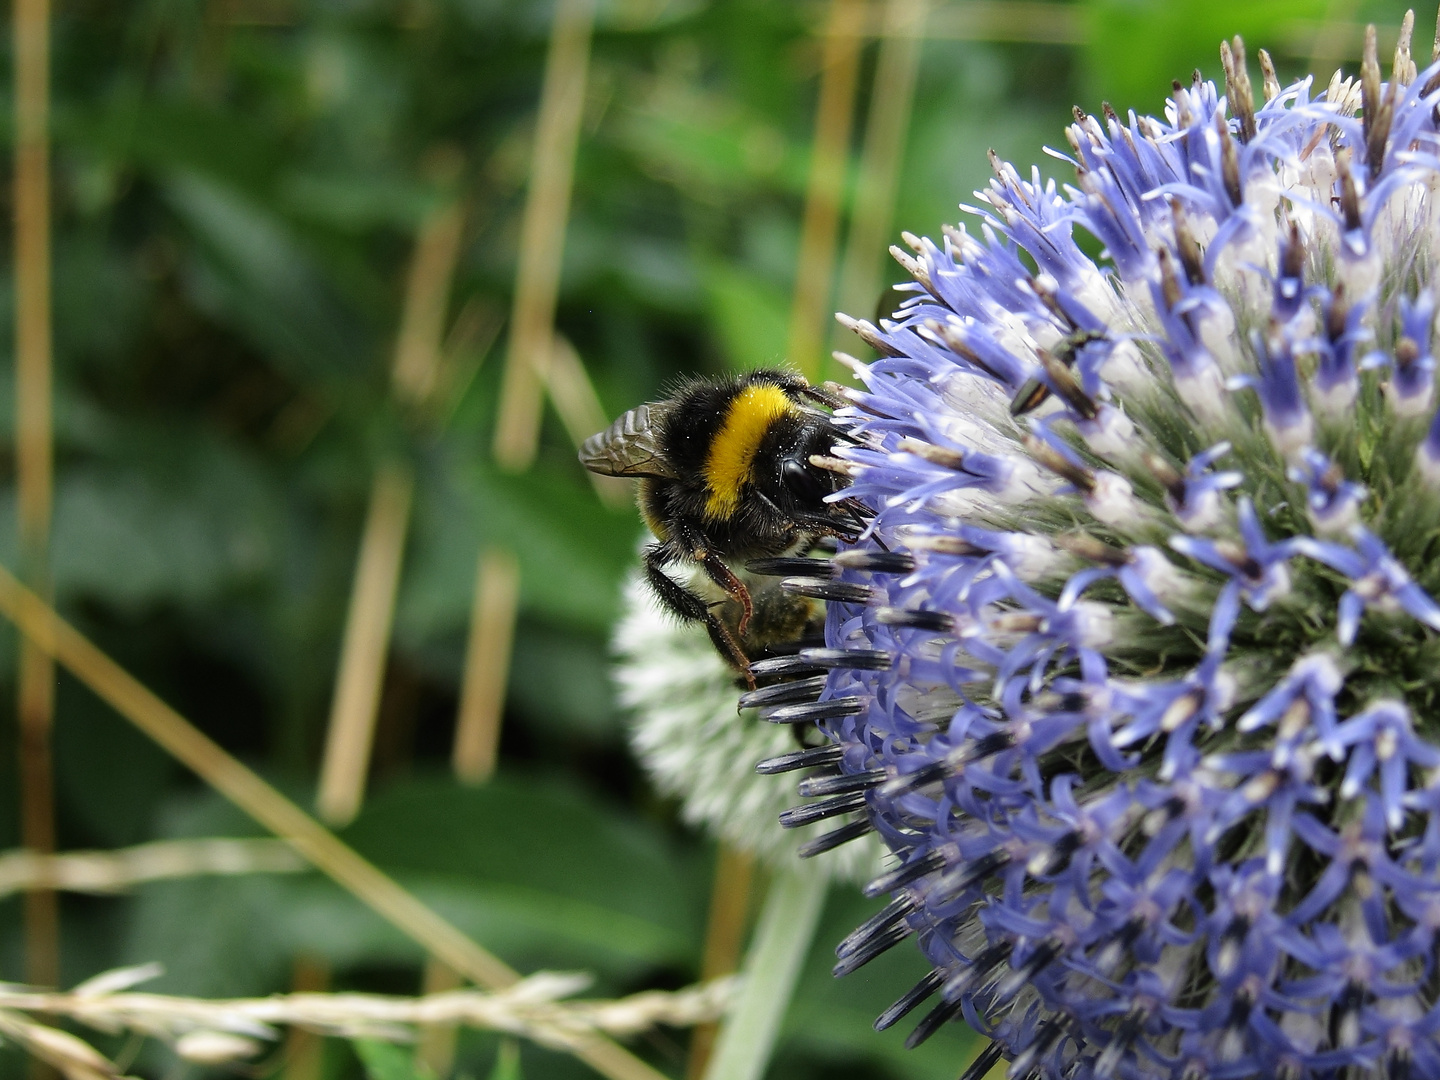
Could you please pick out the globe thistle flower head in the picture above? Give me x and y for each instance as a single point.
(1154, 736)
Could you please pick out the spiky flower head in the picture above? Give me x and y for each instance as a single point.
(1152, 579)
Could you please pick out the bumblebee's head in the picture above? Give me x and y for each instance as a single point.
(783, 469)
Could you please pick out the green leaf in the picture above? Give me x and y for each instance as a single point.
(656, 272)
(698, 140)
(552, 871)
(389, 1061)
(531, 868)
(257, 277)
(507, 1061)
(963, 106)
(99, 303)
(354, 203)
(1135, 48)
(165, 134)
(582, 703)
(782, 938)
(185, 519)
(751, 315)
(110, 776)
(831, 1019)
(573, 553)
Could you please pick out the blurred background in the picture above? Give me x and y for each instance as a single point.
(335, 286)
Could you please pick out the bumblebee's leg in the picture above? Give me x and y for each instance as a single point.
(714, 566)
(824, 397)
(687, 605)
(677, 599)
(847, 528)
(727, 646)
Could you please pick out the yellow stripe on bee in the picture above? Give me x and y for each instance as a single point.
(732, 452)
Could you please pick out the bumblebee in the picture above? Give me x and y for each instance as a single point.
(728, 473)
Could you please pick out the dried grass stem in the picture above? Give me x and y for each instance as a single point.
(531, 1008)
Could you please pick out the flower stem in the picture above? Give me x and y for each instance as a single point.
(772, 967)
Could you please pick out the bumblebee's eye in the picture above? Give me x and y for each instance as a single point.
(803, 483)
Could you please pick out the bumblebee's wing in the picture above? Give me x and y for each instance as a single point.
(630, 446)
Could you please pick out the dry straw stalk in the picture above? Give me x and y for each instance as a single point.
(531, 1008)
(132, 700)
(215, 1031)
(116, 871)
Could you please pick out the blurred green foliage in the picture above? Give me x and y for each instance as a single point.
(237, 188)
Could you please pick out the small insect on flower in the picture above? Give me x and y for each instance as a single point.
(728, 472)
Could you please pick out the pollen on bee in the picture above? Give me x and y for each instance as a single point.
(835, 465)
